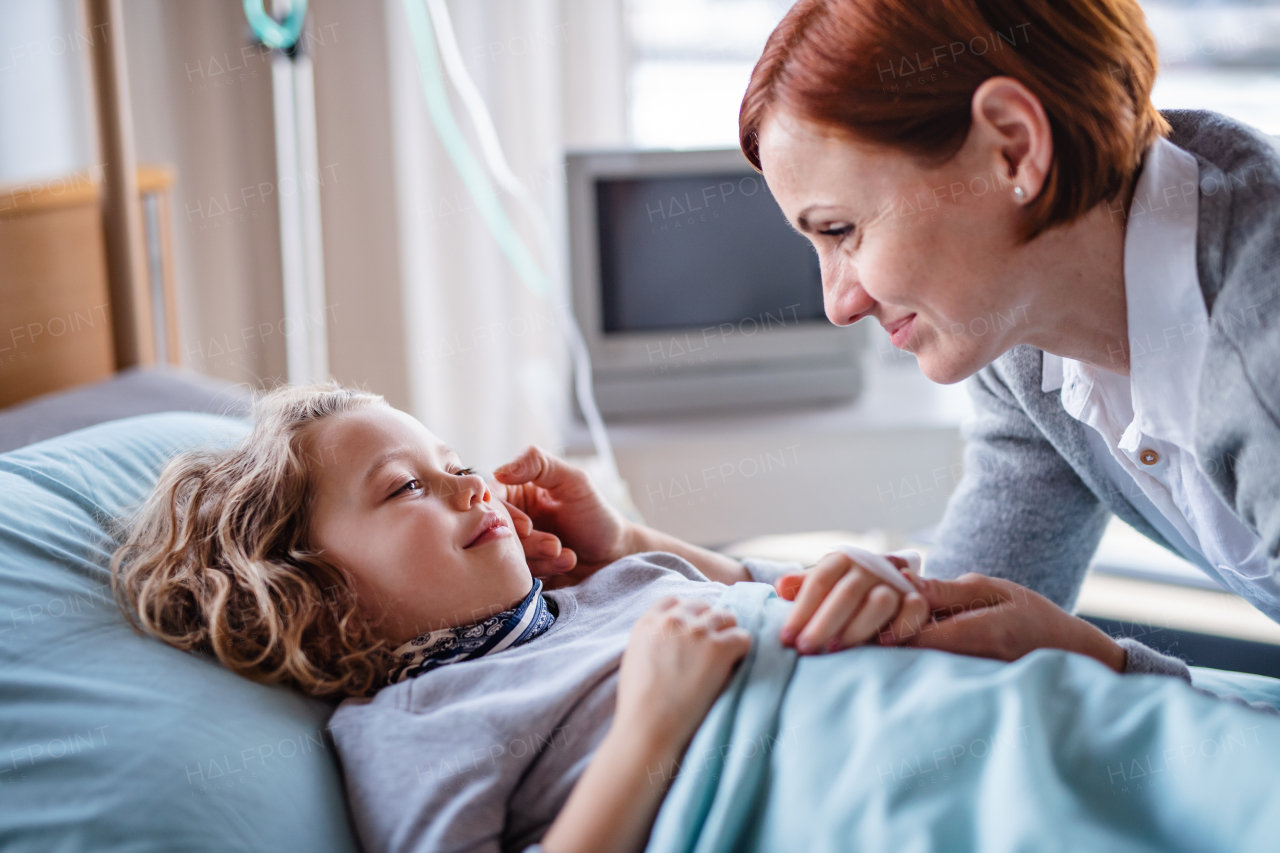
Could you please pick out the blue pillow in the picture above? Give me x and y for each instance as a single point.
(112, 740)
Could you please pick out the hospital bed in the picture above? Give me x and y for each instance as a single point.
(115, 740)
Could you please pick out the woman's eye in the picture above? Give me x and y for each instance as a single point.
(837, 230)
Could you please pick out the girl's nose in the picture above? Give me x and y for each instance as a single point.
(465, 491)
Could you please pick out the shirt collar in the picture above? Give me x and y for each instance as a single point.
(1051, 377)
(1168, 321)
(522, 623)
(1167, 318)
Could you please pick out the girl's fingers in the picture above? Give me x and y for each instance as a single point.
(841, 604)
(694, 606)
(879, 608)
(665, 603)
(813, 592)
(719, 619)
(737, 639)
(817, 582)
(789, 585)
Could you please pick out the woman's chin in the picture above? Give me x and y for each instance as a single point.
(945, 368)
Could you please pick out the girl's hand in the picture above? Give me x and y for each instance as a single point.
(839, 604)
(994, 618)
(677, 661)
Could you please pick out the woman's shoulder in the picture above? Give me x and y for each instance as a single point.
(1243, 153)
(1238, 251)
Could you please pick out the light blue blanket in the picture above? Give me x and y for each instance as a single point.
(909, 750)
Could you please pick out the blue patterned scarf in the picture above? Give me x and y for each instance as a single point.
(528, 619)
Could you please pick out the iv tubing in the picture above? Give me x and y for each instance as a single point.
(495, 218)
(473, 176)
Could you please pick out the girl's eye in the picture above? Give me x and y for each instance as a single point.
(410, 486)
(463, 472)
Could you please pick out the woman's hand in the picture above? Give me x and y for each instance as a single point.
(543, 551)
(573, 527)
(840, 604)
(569, 529)
(994, 618)
(677, 661)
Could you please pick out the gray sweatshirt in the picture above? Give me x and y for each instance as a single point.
(481, 755)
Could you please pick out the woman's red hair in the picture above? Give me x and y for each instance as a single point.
(902, 73)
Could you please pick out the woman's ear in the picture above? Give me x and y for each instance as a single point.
(1010, 123)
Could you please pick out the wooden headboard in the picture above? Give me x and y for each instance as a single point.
(55, 308)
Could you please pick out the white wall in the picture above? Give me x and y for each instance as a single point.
(202, 102)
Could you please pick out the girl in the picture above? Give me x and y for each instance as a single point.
(345, 550)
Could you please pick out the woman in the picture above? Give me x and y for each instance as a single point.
(990, 181)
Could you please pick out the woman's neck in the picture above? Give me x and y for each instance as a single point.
(1078, 288)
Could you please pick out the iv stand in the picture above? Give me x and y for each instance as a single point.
(297, 188)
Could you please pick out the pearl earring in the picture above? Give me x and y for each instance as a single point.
(1018, 193)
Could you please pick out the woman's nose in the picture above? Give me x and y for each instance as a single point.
(843, 297)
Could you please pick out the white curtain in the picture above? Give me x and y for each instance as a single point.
(488, 369)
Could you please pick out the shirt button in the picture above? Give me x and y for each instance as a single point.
(1149, 457)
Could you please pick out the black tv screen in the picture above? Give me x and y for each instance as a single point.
(692, 251)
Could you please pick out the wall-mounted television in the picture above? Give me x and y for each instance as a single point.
(692, 290)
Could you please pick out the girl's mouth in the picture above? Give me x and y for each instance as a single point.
(492, 527)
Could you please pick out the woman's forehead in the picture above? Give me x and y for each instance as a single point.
(810, 165)
(797, 152)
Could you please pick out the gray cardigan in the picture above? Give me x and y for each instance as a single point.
(1033, 501)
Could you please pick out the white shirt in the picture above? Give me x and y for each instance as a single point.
(1143, 425)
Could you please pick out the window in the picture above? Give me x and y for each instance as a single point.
(692, 60)
(691, 63)
(1220, 57)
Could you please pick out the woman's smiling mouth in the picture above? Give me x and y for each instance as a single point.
(900, 330)
(492, 527)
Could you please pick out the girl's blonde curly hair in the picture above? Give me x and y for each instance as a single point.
(219, 558)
